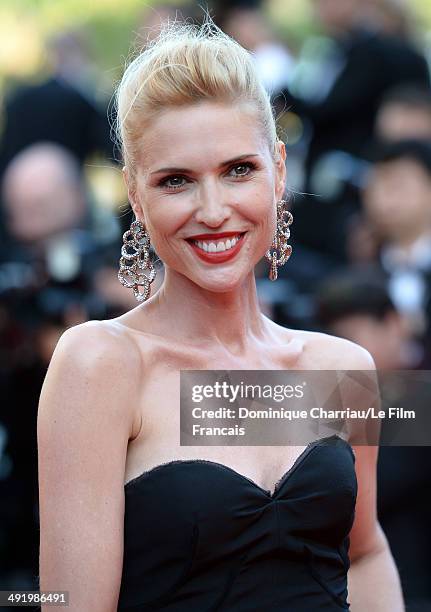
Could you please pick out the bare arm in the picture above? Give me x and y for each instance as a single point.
(373, 579)
(374, 583)
(85, 420)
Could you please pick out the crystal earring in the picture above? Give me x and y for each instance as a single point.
(135, 259)
(282, 234)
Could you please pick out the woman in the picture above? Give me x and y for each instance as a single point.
(131, 520)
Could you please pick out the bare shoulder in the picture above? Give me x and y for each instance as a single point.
(94, 363)
(317, 350)
(98, 343)
(358, 392)
(334, 353)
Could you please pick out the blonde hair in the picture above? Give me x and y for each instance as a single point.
(187, 64)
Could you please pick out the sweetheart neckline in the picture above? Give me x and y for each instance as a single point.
(271, 494)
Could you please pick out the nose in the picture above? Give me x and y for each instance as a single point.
(213, 208)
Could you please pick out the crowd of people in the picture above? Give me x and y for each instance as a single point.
(354, 106)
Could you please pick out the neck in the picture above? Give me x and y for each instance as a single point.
(230, 319)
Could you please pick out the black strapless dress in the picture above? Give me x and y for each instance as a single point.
(200, 537)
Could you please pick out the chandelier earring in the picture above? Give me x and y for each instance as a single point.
(136, 268)
(281, 250)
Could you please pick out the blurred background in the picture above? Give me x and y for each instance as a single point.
(350, 83)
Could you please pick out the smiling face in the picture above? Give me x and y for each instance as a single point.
(206, 181)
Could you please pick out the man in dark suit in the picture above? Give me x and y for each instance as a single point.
(57, 112)
(361, 64)
(53, 111)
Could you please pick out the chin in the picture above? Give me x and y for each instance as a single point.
(222, 283)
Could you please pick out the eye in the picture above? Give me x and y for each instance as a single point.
(173, 182)
(242, 169)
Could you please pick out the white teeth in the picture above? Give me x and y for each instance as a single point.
(212, 247)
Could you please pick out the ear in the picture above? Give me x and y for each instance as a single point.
(132, 194)
(280, 170)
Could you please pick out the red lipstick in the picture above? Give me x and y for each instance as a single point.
(215, 236)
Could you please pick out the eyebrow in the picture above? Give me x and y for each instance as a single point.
(222, 165)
